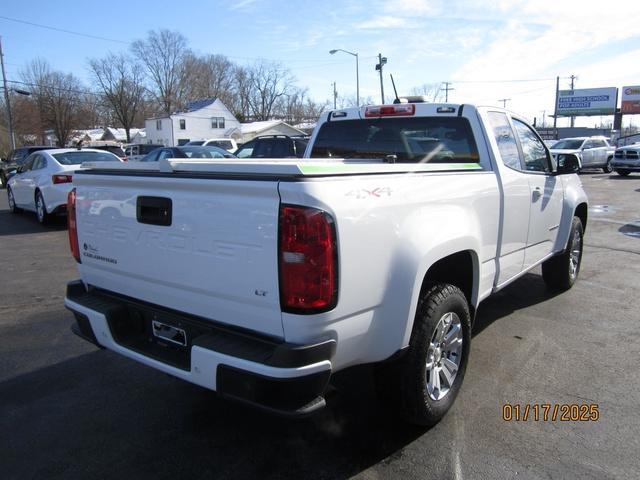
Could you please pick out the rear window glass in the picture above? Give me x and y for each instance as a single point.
(79, 157)
(568, 144)
(221, 143)
(409, 140)
(115, 150)
(144, 149)
(205, 152)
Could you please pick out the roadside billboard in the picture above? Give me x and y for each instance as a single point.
(587, 101)
(630, 100)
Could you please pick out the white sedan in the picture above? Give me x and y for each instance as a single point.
(45, 179)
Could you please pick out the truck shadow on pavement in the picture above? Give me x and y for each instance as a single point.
(26, 223)
(102, 415)
(523, 293)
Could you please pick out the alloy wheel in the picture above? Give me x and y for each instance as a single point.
(444, 355)
(576, 251)
(40, 207)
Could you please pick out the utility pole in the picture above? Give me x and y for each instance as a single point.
(544, 114)
(573, 119)
(12, 138)
(555, 108)
(504, 102)
(335, 95)
(381, 62)
(446, 91)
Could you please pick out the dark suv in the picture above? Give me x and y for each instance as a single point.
(273, 146)
(15, 160)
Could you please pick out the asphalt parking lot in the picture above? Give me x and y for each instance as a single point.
(69, 410)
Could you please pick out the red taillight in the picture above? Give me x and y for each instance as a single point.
(72, 225)
(308, 260)
(401, 109)
(62, 179)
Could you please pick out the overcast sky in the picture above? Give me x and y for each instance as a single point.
(488, 50)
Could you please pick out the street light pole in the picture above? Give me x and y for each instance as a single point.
(12, 138)
(332, 52)
(381, 62)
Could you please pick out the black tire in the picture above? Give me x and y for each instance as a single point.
(41, 209)
(559, 272)
(3, 179)
(607, 166)
(12, 202)
(403, 384)
(623, 173)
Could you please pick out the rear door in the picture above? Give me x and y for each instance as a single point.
(545, 194)
(600, 147)
(589, 154)
(207, 247)
(23, 184)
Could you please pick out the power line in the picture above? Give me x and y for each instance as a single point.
(71, 32)
(507, 81)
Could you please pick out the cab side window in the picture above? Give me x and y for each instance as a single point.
(29, 161)
(533, 150)
(506, 140)
(246, 150)
(39, 162)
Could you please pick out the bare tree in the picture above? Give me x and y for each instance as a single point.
(352, 101)
(209, 76)
(94, 112)
(297, 107)
(57, 98)
(164, 55)
(433, 91)
(120, 81)
(268, 82)
(239, 102)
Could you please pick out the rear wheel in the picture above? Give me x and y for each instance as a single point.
(3, 179)
(607, 167)
(561, 271)
(424, 383)
(41, 209)
(623, 173)
(12, 202)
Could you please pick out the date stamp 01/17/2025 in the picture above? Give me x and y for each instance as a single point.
(551, 412)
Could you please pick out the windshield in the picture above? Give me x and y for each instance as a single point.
(413, 140)
(196, 142)
(80, 156)
(568, 144)
(206, 152)
(220, 143)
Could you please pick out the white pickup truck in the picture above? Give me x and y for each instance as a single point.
(260, 279)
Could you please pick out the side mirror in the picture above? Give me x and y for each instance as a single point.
(568, 163)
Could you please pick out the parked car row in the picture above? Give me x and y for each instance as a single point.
(593, 152)
(43, 180)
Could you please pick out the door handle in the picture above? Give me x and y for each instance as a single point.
(536, 194)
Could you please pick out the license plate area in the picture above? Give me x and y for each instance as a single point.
(168, 333)
(155, 333)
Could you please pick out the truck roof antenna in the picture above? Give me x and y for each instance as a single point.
(397, 100)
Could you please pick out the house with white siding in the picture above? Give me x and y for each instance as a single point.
(200, 120)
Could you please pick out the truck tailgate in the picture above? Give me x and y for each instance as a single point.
(217, 257)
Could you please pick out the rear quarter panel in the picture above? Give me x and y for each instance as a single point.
(391, 229)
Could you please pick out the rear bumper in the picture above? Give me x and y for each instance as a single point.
(281, 377)
(55, 197)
